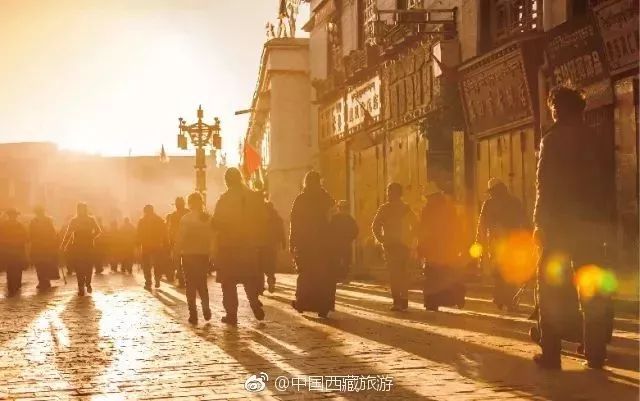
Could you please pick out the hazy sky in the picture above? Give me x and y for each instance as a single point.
(107, 76)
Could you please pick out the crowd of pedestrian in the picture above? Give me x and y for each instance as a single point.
(248, 233)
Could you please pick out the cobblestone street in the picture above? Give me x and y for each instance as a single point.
(123, 342)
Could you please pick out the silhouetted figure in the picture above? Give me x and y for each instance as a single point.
(193, 245)
(127, 239)
(100, 248)
(440, 236)
(43, 240)
(173, 222)
(501, 216)
(152, 238)
(309, 245)
(13, 241)
(239, 220)
(393, 227)
(571, 219)
(343, 230)
(79, 241)
(112, 245)
(275, 241)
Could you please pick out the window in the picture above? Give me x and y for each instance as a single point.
(510, 18)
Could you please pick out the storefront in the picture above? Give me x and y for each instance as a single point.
(598, 53)
(617, 22)
(498, 92)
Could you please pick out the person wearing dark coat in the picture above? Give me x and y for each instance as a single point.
(343, 230)
(43, 239)
(440, 236)
(501, 215)
(152, 238)
(571, 222)
(394, 227)
(79, 241)
(173, 222)
(275, 241)
(239, 221)
(309, 245)
(127, 240)
(14, 254)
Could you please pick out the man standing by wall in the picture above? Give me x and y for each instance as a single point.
(570, 220)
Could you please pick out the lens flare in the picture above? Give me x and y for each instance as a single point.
(516, 257)
(557, 269)
(594, 280)
(475, 250)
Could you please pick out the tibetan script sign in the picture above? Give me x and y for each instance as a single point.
(575, 56)
(618, 23)
(495, 93)
(363, 101)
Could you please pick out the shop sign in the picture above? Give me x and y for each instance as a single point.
(496, 93)
(575, 56)
(363, 101)
(618, 24)
(331, 120)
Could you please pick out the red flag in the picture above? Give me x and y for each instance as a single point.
(251, 159)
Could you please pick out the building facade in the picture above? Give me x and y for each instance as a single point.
(454, 93)
(279, 125)
(385, 101)
(524, 48)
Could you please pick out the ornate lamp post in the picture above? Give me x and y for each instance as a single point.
(201, 136)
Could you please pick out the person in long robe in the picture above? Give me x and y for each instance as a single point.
(239, 221)
(309, 245)
(440, 248)
(43, 240)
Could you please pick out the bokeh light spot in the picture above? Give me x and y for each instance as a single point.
(475, 250)
(516, 257)
(594, 280)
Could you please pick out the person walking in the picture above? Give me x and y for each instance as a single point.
(193, 246)
(112, 246)
(309, 245)
(79, 241)
(393, 226)
(43, 240)
(127, 239)
(501, 216)
(239, 220)
(14, 254)
(152, 239)
(173, 222)
(440, 236)
(343, 230)
(571, 221)
(275, 241)
(100, 248)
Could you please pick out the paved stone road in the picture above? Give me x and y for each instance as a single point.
(123, 342)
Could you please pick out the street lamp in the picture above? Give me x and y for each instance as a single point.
(201, 136)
